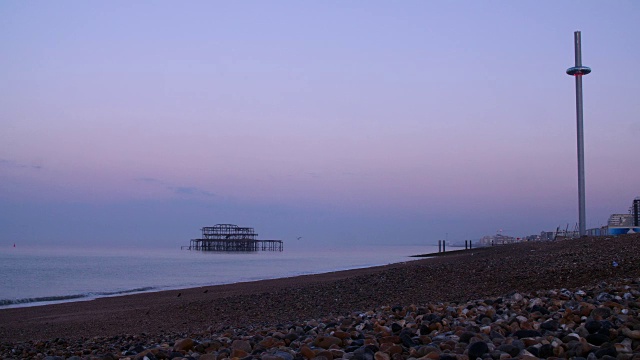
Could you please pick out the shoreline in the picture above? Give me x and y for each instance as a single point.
(73, 298)
(26, 298)
(63, 313)
(461, 276)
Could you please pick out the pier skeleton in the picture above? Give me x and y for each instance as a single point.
(229, 237)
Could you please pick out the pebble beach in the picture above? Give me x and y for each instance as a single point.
(567, 299)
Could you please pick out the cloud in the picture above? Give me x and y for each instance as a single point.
(176, 189)
(4, 163)
(149, 180)
(191, 191)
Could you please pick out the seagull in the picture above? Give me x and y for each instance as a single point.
(299, 237)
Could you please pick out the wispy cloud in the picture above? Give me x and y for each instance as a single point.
(149, 180)
(192, 191)
(176, 189)
(4, 163)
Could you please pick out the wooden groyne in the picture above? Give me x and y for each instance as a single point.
(232, 238)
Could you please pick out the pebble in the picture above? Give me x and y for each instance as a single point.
(522, 325)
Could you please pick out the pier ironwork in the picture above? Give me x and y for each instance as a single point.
(229, 237)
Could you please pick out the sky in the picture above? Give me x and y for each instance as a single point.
(342, 122)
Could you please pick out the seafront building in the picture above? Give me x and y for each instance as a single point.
(616, 225)
(498, 239)
(625, 223)
(620, 220)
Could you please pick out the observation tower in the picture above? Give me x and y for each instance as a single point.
(578, 71)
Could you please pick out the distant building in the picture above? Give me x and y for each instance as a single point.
(625, 223)
(617, 220)
(548, 235)
(498, 239)
(601, 231)
(532, 238)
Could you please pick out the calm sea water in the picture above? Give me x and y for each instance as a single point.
(30, 277)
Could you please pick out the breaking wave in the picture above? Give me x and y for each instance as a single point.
(70, 298)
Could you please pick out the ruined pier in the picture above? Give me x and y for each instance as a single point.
(232, 238)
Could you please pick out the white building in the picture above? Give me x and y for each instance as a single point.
(620, 220)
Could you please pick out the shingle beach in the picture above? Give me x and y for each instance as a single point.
(564, 299)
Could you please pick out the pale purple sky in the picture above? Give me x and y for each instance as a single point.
(342, 122)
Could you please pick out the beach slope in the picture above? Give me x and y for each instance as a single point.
(486, 273)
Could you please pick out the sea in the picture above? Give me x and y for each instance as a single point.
(40, 276)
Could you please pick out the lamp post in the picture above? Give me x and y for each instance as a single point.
(578, 71)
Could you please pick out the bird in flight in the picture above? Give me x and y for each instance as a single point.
(299, 237)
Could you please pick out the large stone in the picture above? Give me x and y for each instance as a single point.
(307, 352)
(278, 355)
(429, 356)
(238, 353)
(600, 313)
(184, 345)
(586, 308)
(533, 351)
(289, 338)
(363, 353)
(592, 326)
(585, 346)
(541, 309)
(526, 333)
(528, 357)
(381, 356)
(634, 334)
(597, 339)
(391, 348)
(271, 342)
(395, 339)
(337, 353)
(244, 345)
(448, 356)
(466, 336)
(606, 351)
(550, 325)
(477, 349)
(582, 331)
(509, 349)
(324, 354)
(407, 340)
(325, 342)
(545, 351)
